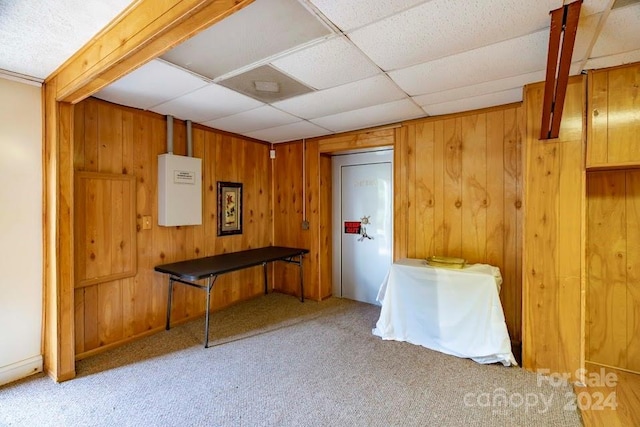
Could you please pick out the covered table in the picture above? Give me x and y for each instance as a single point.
(457, 312)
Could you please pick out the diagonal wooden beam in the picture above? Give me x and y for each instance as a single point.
(552, 69)
(572, 16)
(564, 27)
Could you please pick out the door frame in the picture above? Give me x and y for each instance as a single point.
(365, 156)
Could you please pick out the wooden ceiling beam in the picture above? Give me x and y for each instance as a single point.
(144, 31)
(564, 27)
(552, 68)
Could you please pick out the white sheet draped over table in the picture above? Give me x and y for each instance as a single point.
(457, 312)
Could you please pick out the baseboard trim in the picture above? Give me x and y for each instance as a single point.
(21, 369)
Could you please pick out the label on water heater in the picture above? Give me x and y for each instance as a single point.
(352, 227)
(184, 177)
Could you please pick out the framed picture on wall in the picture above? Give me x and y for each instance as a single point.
(229, 208)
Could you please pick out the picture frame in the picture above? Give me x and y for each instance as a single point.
(229, 208)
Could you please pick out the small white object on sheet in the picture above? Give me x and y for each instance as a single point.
(457, 312)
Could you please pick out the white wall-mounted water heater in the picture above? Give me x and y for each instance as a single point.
(179, 190)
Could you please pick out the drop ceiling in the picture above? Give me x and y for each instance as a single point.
(363, 63)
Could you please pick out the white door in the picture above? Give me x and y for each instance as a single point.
(362, 223)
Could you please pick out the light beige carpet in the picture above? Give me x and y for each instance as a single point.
(278, 362)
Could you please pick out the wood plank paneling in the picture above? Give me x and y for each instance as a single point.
(287, 217)
(466, 194)
(326, 284)
(452, 243)
(123, 140)
(105, 218)
(613, 263)
(606, 269)
(614, 119)
(494, 201)
(597, 119)
(633, 270)
(410, 200)
(511, 295)
(400, 202)
(457, 191)
(474, 187)
(553, 251)
(314, 261)
(424, 197)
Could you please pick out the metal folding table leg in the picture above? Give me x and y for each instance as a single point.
(301, 281)
(266, 281)
(168, 324)
(210, 281)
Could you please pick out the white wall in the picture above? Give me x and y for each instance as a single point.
(20, 229)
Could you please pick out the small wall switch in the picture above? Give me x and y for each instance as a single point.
(305, 225)
(272, 154)
(146, 222)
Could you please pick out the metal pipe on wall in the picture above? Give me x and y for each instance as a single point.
(189, 139)
(169, 134)
(304, 180)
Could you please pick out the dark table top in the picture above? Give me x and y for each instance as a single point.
(200, 268)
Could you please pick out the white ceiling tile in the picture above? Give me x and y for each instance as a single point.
(473, 103)
(152, 84)
(207, 103)
(587, 27)
(498, 61)
(351, 14)
(258, 31)
(516, 82)
(621, 32)
(576, 68)
(331, 63)
(290, 132)
(39, 36)
(252, 120)
(613, 60)
(363, 93)
(441, 28)
(376, 115)
(590, 7)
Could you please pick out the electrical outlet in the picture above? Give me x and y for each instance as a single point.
(146, 222)
(305, 225)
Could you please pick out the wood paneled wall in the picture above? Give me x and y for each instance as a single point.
(105, 227)
(120, 140)
(554, 224)
(458, 193)
(288, 216)
(613, 269)
(614, 117)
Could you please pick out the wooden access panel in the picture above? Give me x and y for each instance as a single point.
(105, 229)
(614, 117)
(613, 269)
